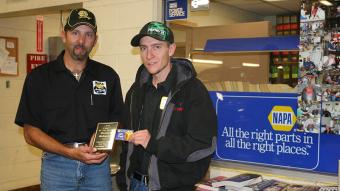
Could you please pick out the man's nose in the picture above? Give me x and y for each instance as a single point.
(149, 54)
(81, 39)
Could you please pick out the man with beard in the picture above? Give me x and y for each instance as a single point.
(62, 102)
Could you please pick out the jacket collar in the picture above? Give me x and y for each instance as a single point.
(183, 68)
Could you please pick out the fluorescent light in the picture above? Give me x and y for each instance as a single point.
(198, 3)
(327, 3)
(250, 64)
(207, 61)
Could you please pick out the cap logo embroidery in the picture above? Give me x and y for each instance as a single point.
(83, 15)
(153, 31)
(158, 29)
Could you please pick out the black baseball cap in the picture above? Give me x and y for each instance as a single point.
(155, 30)
(79, 17)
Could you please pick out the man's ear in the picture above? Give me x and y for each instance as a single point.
(63, 35)
(95, 41)
(172, 49)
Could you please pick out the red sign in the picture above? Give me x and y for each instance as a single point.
(35, 60)
(40, 33)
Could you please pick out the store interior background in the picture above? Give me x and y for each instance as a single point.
(118, 21)
(258, 20)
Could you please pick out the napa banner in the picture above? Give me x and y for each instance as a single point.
(261, 128)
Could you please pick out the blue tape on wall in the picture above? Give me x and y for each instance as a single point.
(277, 43)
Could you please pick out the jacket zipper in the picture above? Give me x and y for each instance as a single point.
(166, 109)
(159, 127)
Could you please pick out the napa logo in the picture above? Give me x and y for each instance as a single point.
(282, 118)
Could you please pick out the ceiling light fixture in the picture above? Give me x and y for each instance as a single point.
(197, 3)
(250, 64)
(207, 61)
(327, 3)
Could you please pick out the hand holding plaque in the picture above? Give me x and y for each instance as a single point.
(105, 136)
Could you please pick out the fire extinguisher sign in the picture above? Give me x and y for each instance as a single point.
(35, 60)
(40, 32)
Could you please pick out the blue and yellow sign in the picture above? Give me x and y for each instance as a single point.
(282, 118)
(261, 128)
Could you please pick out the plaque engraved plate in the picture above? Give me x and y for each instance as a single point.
(105, 136)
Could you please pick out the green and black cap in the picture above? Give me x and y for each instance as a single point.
(79, 17)
(155, 30)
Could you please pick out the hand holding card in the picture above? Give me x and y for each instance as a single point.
(123, 134)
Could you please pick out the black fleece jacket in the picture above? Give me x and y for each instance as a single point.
(181, 151)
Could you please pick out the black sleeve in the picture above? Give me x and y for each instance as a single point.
(30, 105)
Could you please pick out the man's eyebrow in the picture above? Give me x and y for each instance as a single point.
(154, 44)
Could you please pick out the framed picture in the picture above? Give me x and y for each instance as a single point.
(8, 56)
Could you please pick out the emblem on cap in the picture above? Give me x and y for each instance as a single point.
(84, 14)
(155, 30)
(158, 29)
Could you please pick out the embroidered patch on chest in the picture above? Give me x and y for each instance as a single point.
(99, 88)
(179, 107)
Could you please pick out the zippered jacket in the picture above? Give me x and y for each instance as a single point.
(181, 151)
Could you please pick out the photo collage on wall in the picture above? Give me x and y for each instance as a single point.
(319, 70)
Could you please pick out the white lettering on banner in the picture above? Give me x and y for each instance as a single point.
(37, 58)
(176, 12)
(264, 141)
(173, 5)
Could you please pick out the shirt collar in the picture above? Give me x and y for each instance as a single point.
(60, 65)
(168, 83)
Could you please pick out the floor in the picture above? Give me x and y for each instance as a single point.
(37, 187)
(30, 188)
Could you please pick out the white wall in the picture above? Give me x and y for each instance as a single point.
(20, 163)
(8, 6)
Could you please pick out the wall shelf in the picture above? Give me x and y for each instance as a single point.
(259, 44)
